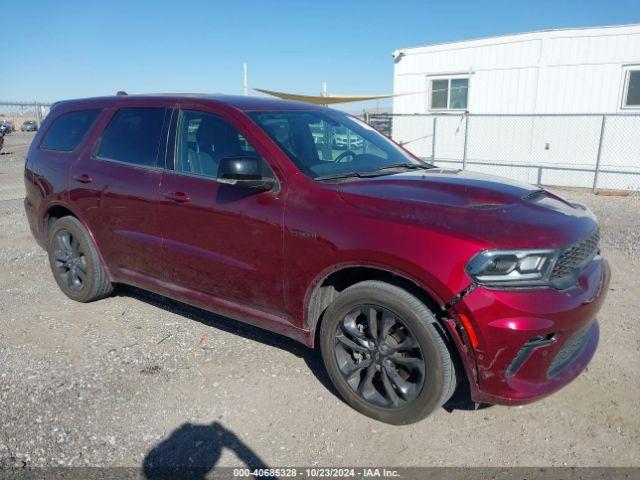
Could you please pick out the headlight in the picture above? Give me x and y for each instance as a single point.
(512, 268)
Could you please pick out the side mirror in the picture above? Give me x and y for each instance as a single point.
(244, 171)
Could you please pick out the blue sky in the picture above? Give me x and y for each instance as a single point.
(65, 49)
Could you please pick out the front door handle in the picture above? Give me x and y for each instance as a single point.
(83, 178)
(179, 197)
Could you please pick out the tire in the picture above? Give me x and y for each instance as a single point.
(73, 256)
(410, 391)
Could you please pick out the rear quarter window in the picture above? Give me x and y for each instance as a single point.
(133, 136)
(67, 131)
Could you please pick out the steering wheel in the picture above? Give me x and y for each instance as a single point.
(343, 155)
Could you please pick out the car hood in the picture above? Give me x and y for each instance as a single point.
(493, 210)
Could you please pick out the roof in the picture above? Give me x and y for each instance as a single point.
(244, 103)
(515, 36)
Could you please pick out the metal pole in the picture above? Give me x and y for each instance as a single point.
(245, 80)
(595, 175)
(466, 136)
(433, 140)
(38, 114)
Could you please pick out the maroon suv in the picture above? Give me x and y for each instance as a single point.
(412, 279)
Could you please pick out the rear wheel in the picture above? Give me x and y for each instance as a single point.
(75, 262)
(384, 353)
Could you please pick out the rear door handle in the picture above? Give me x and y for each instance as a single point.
(83, 178)
(179, 197)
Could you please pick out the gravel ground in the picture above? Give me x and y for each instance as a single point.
(137, 379)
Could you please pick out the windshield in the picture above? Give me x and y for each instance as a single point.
(333, 144)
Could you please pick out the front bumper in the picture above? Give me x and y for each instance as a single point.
(531, 343)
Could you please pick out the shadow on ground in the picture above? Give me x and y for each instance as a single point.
(310, 356)
(192, 451)
(461, 400)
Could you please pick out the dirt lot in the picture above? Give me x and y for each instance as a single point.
(137, 378)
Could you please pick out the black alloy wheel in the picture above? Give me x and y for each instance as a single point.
(379, 357)
(75, 262)
(386, 353)
(70, 260)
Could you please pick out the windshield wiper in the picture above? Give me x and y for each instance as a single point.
(347, 175)
(375, 173)
(410, 166)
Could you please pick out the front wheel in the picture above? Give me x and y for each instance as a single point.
(384, 353)
(75, 262)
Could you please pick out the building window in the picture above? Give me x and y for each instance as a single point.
(449, 93)
(632, 90)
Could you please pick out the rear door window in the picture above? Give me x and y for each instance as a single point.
(134, 136)
(67, 131)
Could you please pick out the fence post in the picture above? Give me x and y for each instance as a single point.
(433, 140)
(466, 136)
(595, 174)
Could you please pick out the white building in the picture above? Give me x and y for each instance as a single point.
(573, 71)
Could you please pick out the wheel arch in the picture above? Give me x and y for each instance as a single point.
(332, 282)
(53, 213)
(58, 210)
(335, 279)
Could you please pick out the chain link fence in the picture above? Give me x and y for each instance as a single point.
(599, 151)
(17, 113)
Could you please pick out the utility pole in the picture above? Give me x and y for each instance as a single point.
(245, 80)
(38, 114)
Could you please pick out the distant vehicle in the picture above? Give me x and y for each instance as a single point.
(411, 279)
(7, 126)
(29, 126)
(344, 138)
(381, 122)
(318, 134)
(341, 138)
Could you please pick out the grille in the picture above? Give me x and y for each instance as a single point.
(576, 256)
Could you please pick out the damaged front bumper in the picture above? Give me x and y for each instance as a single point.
(530, 343)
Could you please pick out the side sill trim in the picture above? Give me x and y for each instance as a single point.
(253, 316)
